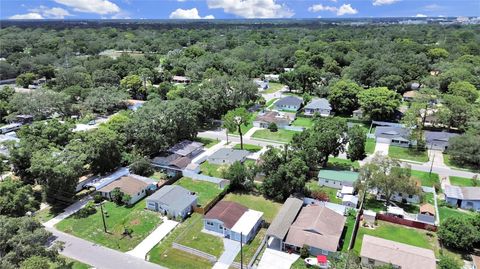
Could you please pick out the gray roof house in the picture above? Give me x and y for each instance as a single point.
(399, 136)
(228, 156)
(186, 148)
(438, 140)
(463, 197)
(318, 105)
(280, 225)
(172, 200)
(290, 103)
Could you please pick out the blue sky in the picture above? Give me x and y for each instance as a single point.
(231, 9)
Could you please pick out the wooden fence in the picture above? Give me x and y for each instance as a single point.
(406, 222)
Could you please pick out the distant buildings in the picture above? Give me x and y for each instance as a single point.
(289, 103)
(318, 105)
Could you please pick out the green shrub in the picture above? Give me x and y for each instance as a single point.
(304, 252)
(273, 127)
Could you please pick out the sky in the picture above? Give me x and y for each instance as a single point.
(233, 9)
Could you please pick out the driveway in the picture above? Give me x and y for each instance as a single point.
(381, 147)
(232, 248)
(276, 259)
(67, 212)
(437, 157)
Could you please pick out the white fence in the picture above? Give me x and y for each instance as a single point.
(195, 252)
(294, 128)
(222, 183)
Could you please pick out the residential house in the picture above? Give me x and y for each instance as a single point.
(404, 198)
(318, 105)
(394, 135)
(438, 140)
(272, 77)
(136, 188)
(172, 200)
(378, 251)
(187, 148)
(289, 103)
(317, 227)
(336, 178)
(233, 221)
(408, 96)
(278, 229)
(261, 84)
(4, 140)
(346, 190)
(12, 127)
(181, 79)
(228, 156)
(463, 197)
(281, 119)
(24, 119)
(350, 201)
(177, 158)
(476, 262)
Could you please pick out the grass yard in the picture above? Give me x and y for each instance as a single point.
(303, 122)
(464, 182)
(141, 221)
(425, 178)
(273, 87)
(205, 191)
(348, 235)
(194, 238)
(74, 264)
(249, 147)
(446, 212)
(250, 248)
(46, 214)
(407, 154)
(158, 176)
(331, 192)
(450, 163)
(207, 142)
(335, 162)
(281, 135)
(213, 170)
(370, 146)
(165, 255)
(270, 102)
(397, 233)
(256, 202)
(373, 204)
(428, 198)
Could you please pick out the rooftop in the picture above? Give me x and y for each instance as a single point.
(438, 136)
(427, 208)
(185, 147)
(285, 217)
(338, 175)
(127, 184)
(464, 193)
(391, 131)
(319, 103)
(227, 212)
(229, 154)
(276, 117)
(247, 221)
(176, 197)
(289, 101)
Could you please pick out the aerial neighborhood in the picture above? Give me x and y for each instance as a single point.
(254, 144)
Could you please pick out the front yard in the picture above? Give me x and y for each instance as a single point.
(407, 154)
(249, 147)
(281, 135)
(256, 202)
(331, 192)
(207, 142)
(273, 87)
(335, 162)
(141, 221)
(303, 122)
(250, 248)
(464, 182)
(205, 191)
(426, 178)
(213, 170)
(370, 146)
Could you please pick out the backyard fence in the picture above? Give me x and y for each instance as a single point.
(222, 183)
(406, 222)
(204, 209)
(294, 128)
(195, 252)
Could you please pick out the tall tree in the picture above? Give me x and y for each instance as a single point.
(104, 150)
(289, 177)
(343, 96)
(16, 198)
(235, 119)
(357, 138)
(379, 103)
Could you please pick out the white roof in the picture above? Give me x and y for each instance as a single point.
(350, 198)
(347, 190)
(369, 213)
(247, 221)
(104, 181)
(395, 210)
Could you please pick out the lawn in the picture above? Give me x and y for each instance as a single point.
(273, 87)
(213, 170)
(428, 198)
(141, 221)
(247, 127)
(373, 204)
(446, 212)
(463, 181)
(335, 162)
(370, 146)
(281, 135)
(74, 264)
(256, 202)
(331, 192)
(303, 122)
(270, 102)
(426, 178)
(249, 147)
(205, 191)
(407, 154)
(398, 233)
(350, 224)
(165, 255)
(207, 142)
(194, 237)
(250, 248)
(46, 214)
(158, 176)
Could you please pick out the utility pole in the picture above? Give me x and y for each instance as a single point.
(241, 251)
(103, 218)
(433, 158)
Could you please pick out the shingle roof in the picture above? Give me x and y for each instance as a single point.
(185, 147)
(427, 208)
(338, 175)
(176, 197)
(276, 117)
(317, 226)
(227, 212)
(285, 217)
(403, 255)
(319, 103)
(393, 132)
(289, 101)
(175, 160)
(438, 136)
(463, 193)
(229, 154)
(127, 184)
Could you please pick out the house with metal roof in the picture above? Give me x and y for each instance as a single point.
(378, 251)
(228, 156)
(318, 105)
(394, 135)
(463, 197)
(290, 103)
(336, 178)
(172, 200)
(278, 229)
(438, 140)
(233, 221)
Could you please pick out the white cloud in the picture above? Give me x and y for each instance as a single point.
(91, 6)
(384, 2)
(433, 7)
(51, 13)
(342, 10)
(28, 16)
(188, 14)
(252, 8)
(419, 15)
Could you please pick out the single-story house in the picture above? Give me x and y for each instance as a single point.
(171, 164)
(281, 119)
(291, 103)
(187, 148)
(346, 190)
(181, 79)
(357, 114)
(317, 227)
(438, 140)
(378, 251)
(10, 128)
(395, 135)
(172, 200)
(409, 95)
(463, 197)
(136, 188)
(233, 221)
(350, 201)
(318, 105)
(24, 119)
(261, 84)
(405, 198)
(278, 229)
(228, 156)
(336, 178)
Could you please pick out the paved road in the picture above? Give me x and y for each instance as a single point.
(277, 94)
(222, 136)
(98, 256)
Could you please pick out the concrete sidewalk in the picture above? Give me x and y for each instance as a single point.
(232, 248)
(251, 132)
(67, 212)
(382, 148)
(276, 259)
(141, 250)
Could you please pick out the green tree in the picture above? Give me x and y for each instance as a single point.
(25, 79)
(437, 54)
(379, 103)
(132, 84)
(41, 103)
(105, 100)
(117, 196)
(16, 198)
(464, 89)
(464, 149)
(240, 176)
(448, 262)
(142, 167)
(235, 119)
(36, 262)
(104, 150)
(458, 233)
(357, 138)
(456, 111)
(343, 96)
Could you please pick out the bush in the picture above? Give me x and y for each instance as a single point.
(447, 262)
(87, 210)
(320, 195)
(304, 252)
(142, 167)
(117, 196)
(273, 127)
(97, 198)
(458, 233)
(126, 199)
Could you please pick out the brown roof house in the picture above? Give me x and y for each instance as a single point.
(233, 221)
(135, 187)
(281, 119)
(377, 251)
(318, 227)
